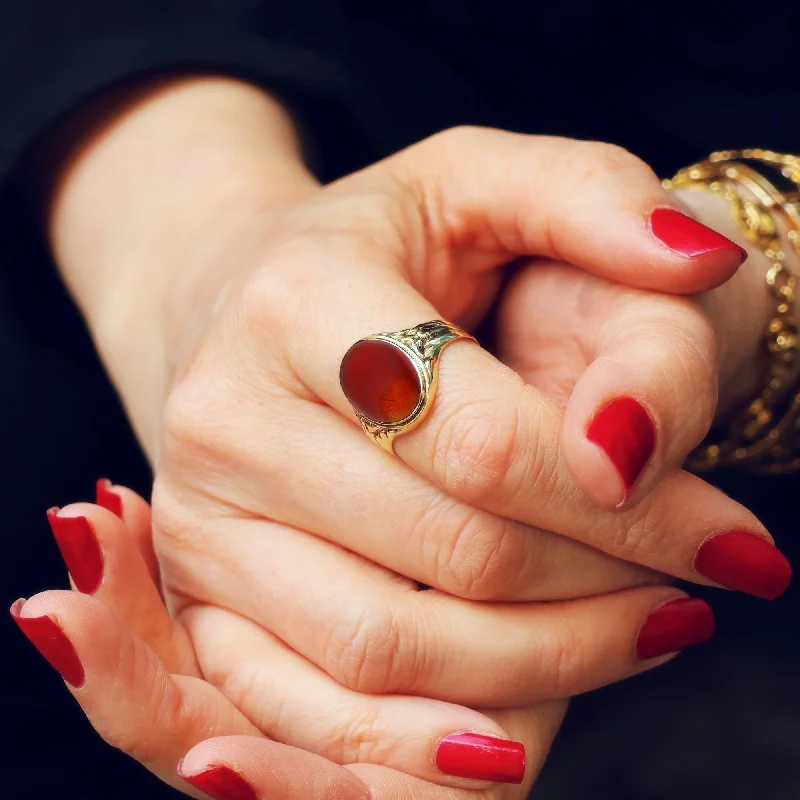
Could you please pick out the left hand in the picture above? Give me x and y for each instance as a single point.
(133, 670)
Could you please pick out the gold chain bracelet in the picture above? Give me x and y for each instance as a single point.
(765, 436)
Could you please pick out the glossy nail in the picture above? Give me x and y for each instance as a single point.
(80, 550)
(746, 562)
(690, 237)
(627, 434)
(45, 635)
(483, 758)
(220, 782)
(674, 627)
(106, 497)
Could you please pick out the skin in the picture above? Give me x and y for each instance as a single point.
(187, 228)
(156, 688)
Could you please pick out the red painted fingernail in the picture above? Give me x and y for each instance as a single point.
(675, 626)
(746, 562)
(483, 758)
(107, 498)
(80, 550)
(45, 635)
(627, 434)
(220, 782)
(690, 237)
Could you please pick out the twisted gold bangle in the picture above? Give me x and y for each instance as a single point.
(765, 436)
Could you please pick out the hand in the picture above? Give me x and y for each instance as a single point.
(133, 671)
(252, 387)
(366, 585)
(152, 661)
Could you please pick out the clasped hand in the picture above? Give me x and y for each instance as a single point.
(370, 609)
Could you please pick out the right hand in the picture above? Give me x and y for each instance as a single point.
(259, 448)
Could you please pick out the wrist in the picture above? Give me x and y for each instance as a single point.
(157, 210)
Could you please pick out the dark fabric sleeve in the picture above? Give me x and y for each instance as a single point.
(54, 56)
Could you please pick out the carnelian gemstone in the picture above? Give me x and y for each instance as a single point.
(380, 381)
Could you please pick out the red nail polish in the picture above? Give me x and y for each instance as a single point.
(80, 550)
(107, 498)
(746, 562)
(483, 758)
(690, 237)
(627, 434)
(45, 635)
(220, 782)
(675, 626)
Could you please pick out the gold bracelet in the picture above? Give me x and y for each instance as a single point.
(764, 436)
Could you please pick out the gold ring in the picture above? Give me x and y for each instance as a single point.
(390, 378)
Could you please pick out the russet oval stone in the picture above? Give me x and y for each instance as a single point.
(380, 381)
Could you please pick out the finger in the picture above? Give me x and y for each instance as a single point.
(383, 636)
(503, 195)
(646, 396)
(416, 530)
(492, 441)
(489, 440)
(127, 694)
(536, 726)
(135, 512)
(104, 560)
(256, 769)
(437, 741)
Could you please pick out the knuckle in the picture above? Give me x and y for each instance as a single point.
(274, 297)
(132, 734)
(364, 651)
(242, 682)
(260, 305)
(290, 283)
(642, 534)
(459, 138)
(181, 539)
(590, 165)
(136, 742)
(474, 556)
(199, 421)
(562, 662)
(474, 449)
(361, 738)
(597, 158)
(186, 406)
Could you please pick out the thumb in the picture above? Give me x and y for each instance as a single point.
(490, 196)
(642, 392)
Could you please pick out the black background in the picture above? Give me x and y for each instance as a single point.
(722, 721)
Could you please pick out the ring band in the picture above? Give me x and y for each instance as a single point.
(390, 378)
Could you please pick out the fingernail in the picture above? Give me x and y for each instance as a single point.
(627, 434)
(80, 550)
(45, 635)
(107, 498)
(483, 758)
(675, 626)
(689, 237)
(220, 782)
(746, 562)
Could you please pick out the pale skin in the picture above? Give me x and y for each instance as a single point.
(222, 286)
